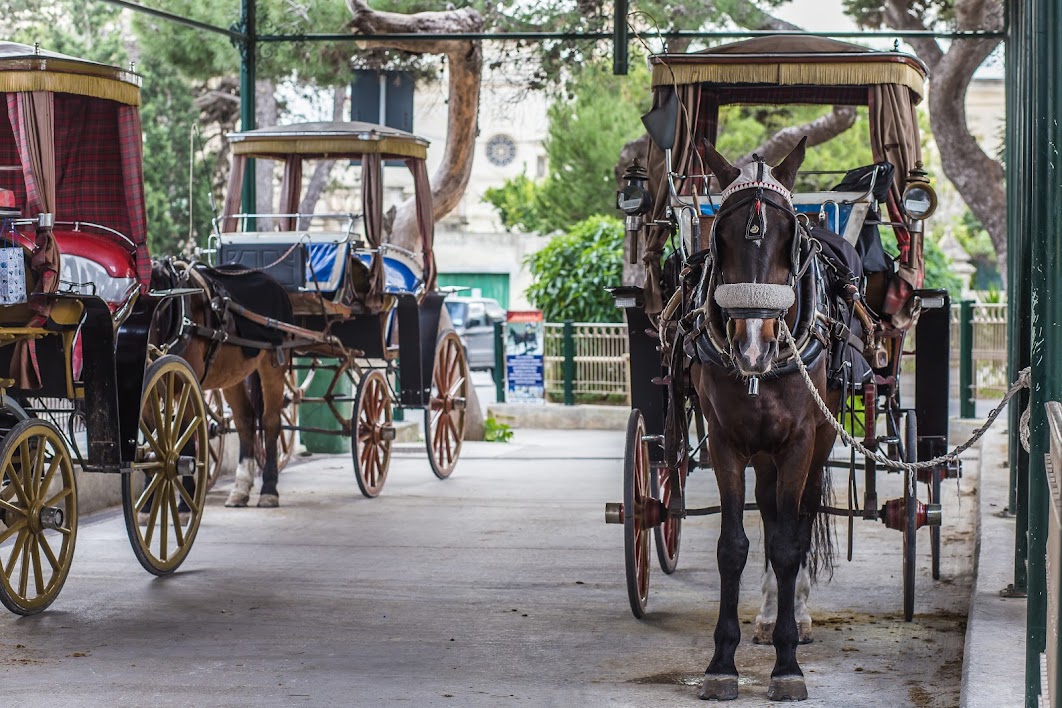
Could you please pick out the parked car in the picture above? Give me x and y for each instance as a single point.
(473, 319)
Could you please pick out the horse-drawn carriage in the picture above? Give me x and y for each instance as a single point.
(360, 308)
(77, 308)
(772, 319)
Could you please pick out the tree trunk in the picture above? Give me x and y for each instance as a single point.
(818, 131)
(322, 172)
(266, 114)
(465, 64)
(977, 177)
(465, 68)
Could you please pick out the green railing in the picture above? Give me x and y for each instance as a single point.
(587, 362)
(979, 352)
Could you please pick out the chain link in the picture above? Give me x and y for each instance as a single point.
(1024, 381)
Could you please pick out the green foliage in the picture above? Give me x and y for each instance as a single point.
(571, 273)
(938, 266)
(589, 123)
(975, 240)
(494, 431)
(516, 204)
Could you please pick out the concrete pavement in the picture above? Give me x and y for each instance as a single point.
(500, 585)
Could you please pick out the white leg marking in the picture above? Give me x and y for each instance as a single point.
(245, 475)
(803, 589)
(769, 606)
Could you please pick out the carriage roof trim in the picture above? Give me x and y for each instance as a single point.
(25, 68)
(791, 60)
(329, 139)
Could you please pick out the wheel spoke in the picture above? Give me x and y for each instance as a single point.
(26, 467)
(193, 508)
(38, 467)
(16, 485)
(57, 460)
(178, 532)
(182, 404)
(153, 516)
(49, 554)
(23, 578)
(16, 551)
(171, 380)
(58, 497)
(8, 506)
(187, 435)
(156, 413)
(150, 439)
(164, 530)
(156, 480)
(12, 530)
(38, 572)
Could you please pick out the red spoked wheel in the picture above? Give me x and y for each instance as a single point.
(373, 432)
(636, 497)
(669, 533)
(444, 419)
(217, 427)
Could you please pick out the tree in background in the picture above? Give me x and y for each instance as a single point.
(571, 273)
(590, 120)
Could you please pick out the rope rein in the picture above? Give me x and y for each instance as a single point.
(1024, 381)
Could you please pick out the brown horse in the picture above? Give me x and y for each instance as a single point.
(757, 409)
(183, 329)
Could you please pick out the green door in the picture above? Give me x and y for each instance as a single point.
(492, 285)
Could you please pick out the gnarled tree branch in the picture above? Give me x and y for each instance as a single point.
(465, 64)
(824, 128)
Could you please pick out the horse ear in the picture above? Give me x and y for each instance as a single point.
(720, 167)
(786, 171)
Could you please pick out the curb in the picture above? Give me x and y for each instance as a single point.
(551, 416)
(993, 669)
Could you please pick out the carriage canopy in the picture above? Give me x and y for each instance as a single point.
(787, 69)
(71, 146)
(368, 143)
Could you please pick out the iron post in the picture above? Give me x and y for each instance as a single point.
(967, 399)
(248, 46)
(619, 39)
(569, 363)
(499, 361)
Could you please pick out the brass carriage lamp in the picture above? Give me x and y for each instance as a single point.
(919, 197)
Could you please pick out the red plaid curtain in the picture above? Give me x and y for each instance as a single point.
(131, 149)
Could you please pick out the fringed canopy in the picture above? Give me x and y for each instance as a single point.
(24, 68)
(329, 140)
(791, 60)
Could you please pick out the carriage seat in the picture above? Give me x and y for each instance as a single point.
(93, 264)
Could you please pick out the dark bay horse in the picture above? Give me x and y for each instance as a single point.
(184, 329)
(758, 411)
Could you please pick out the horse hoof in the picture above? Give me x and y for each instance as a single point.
(787, 688)
(804, 631)
(764, 633)
(237, 499)
(719, 688)
(268, 501)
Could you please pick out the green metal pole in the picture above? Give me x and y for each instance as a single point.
(499, 361)
(569, 363)
(1046, 314)
(619, 39)
(1019, 271)
(967, 400)
(248, 46)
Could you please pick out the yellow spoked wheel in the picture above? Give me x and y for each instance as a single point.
(164, 494)
(444, 422)
(374, 430)
(38, 516)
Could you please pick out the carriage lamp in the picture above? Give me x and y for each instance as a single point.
(919, 198)
(634, 199)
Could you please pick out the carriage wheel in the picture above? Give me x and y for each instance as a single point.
(669, 533)
(444, 419)
(373, 432)
(218, 426)
(38, 516)
(289, 420)
(164, 494)
(910, 528)
(636, 475)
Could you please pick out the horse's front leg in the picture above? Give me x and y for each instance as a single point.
(787, 549)
(721, 677)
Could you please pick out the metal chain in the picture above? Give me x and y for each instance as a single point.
(1024, 381)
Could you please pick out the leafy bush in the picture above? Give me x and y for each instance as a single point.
(494, 431)
(571, 273)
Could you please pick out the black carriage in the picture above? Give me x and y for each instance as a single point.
(671, 207)
(364, 309)
(75, 308)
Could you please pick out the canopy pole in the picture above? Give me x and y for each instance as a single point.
(248, 46)
(619, 39)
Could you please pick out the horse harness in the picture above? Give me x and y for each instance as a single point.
(820, 286)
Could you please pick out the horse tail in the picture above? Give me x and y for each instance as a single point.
(823, 536)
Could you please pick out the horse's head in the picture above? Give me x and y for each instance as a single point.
(755, 248)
